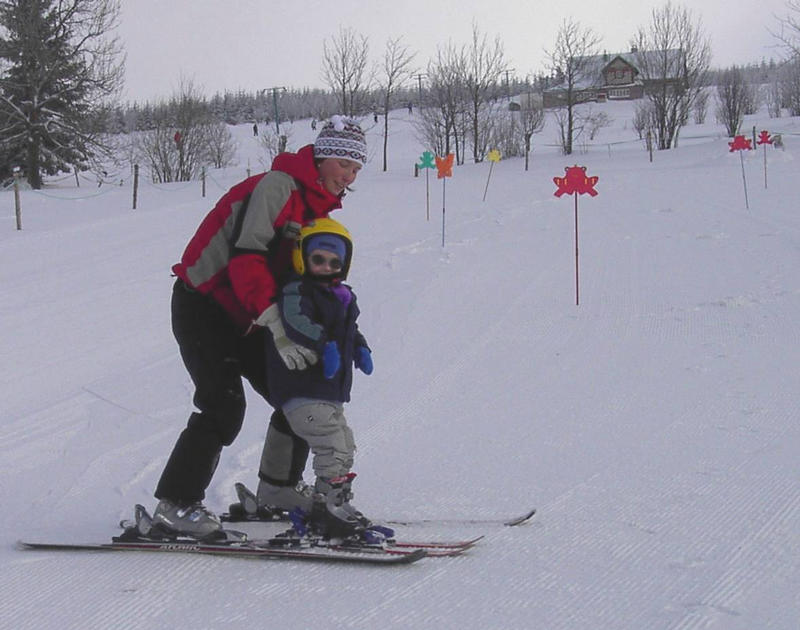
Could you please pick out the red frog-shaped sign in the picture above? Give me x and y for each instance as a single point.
(740, 143)
(575, 181)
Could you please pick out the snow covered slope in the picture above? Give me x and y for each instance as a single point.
(655, 426)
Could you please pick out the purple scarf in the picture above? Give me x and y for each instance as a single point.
(343, 293)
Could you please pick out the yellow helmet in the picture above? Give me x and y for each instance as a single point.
(319, 227)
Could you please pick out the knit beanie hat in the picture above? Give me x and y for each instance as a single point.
(341, 137)
(328, 242)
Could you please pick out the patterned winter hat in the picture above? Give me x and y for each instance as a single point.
(341, 138)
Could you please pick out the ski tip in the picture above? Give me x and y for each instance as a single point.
(519, 520)
(408, 558)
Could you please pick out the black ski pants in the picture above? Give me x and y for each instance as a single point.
(217, 356)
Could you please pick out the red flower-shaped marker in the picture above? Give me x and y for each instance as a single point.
(444, 169)
(444, 166)
(740, 143)
(575, 181)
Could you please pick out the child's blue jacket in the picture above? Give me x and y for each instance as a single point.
(313, 315)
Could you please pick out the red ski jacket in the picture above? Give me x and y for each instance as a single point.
(243, 246)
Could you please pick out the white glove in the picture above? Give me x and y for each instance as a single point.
(295, 356)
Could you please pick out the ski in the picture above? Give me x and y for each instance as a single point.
(379, 540)
(240, 550)
(438, 544)
(247, 510)
(513, 521)
(372, 541)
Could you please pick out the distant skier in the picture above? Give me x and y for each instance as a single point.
(319, 312)
(223, 301)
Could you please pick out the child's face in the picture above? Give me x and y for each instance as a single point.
(323, 263)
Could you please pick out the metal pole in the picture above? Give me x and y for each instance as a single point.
(419, 78)
(444, 191)
(275, 105)
(577, 293)
(744, 180)
(491, 166)
(427, 197)
(17, 204)
(135, 184)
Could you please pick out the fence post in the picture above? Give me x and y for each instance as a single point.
(135, 183)
(17, 205)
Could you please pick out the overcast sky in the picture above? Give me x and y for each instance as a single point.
(252, 44)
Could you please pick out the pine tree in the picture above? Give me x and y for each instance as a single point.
(60, 65)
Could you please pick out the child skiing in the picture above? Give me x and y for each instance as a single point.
(319, 312)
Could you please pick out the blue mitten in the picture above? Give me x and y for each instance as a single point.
(330, 359)
(363, 359)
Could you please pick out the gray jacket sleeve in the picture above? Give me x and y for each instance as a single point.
(266, 202)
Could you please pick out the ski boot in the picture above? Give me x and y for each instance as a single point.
(192, 519)
(332, 514)
(271, 498)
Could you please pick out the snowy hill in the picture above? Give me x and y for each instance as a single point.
(655, 426)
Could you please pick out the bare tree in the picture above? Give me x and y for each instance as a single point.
(61, 62)
(222, 148)
(272, 144)
(700, 106)
(430, 130)
(673, 55)
(444, 108)
(344, 69)
(788, 32)
(177, 145)
(595, 121)
(786, 91)
(395, 70)
(735, 98)
(485, 63)
(773, 96)
(505, 133)
(790, 86)
(644, 119)
(531, 120)
(572, 59)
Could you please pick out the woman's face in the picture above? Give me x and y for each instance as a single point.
(336, 174)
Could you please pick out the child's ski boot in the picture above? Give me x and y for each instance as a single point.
(272, 498)
(332, 514)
